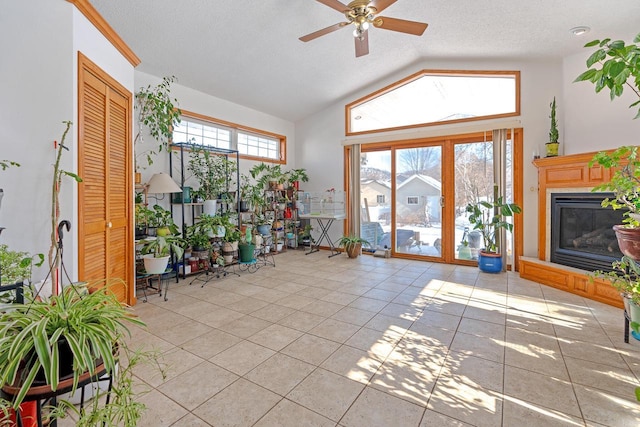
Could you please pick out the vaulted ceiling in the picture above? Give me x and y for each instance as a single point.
(248, 52)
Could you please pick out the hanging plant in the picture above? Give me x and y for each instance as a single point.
(159, 112)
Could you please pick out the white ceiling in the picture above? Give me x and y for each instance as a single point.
(248, 52)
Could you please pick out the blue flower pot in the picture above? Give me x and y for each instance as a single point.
(489, 262)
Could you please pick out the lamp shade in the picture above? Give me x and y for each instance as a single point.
(162, 183)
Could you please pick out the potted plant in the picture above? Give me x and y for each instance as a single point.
(488, 218)
(156, 252)
(246, 247)
(50, 346)
(294, 176)
(158, 111)
(211, 171)
(162, 219)
(553, 144)
(624, 276)
(268, 176)
(352, 245)
(616, 66)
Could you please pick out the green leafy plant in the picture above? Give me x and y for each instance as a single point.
(16, 266)
(553, 132)
(489, 217)
(158, 111)
(296, 175)
(162, 218)
(352, 244)
(614, 65)
(624, 276)
(211, 170)
(624, 182)
(161, 246)
(36, 334)
(264, 174)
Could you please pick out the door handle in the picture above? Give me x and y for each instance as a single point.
(109, 225)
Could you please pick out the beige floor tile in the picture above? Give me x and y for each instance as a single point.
(481, 328)
(219, 317)
(412, 383)
(608, 409)
(540, 390)
(245, 326)
(354, 316)
(381, 294)
(536, 352)
(493, 313)
(173, 362)
(435, 419)
(592, 352)
(270, 295)
(302, 321)
(247, 305)
(207, 378)
(375, 408)
(436, 336)
(311, 349)
(515, 411)
(208, 345)
(382, 322)
(473, 345)
(440, 320)
(355, 364)
(183, 332)
(191, 421)
(239, 405)
(295, 301)
(335, 330)
(601, 376)
(280, 373)
(322, 308)
(595, 335)
(401, 311)
(341, 298)
(161, 411)
(242, 357)
(377, 342)
(472, 371)
(224, 298)
(326, 393)
(313, 292)
(291, 287)
(276, 337)
(273, 312)
(468, 404)
(289, 414)
(143, 339)
(369, 304)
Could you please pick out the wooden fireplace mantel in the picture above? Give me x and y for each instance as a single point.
(564, 172)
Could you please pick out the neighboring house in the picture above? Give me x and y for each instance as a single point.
(378, 196)
(418, 200)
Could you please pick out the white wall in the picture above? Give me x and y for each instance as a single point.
(207, 105)
(40, 69)
(592, 121)
(320, 136)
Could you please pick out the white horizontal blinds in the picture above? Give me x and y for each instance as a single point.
(252, 144)
(202, 133)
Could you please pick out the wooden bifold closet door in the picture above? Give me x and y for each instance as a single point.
(105, 242)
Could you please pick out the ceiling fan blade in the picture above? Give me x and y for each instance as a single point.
(323, 31)
(334, 4)
(381, 5)
(362, 46)
(400, 25)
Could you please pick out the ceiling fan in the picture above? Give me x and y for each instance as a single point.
(362, 14)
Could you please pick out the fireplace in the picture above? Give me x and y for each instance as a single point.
(581, 231)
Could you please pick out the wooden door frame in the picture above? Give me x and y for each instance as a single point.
(448, 176)
(85, 64)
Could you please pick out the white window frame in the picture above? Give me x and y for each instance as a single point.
(274, 152)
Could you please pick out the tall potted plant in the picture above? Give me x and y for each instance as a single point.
(159, 112)
(616, 65)
(488, 218)
(156, 252)
(352, 245)
(553, 144)
(211, 170)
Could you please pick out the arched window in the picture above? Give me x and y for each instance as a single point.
(436, 97)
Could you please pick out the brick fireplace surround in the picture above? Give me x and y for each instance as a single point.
(565, 174)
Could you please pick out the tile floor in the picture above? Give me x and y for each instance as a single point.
(384, 342)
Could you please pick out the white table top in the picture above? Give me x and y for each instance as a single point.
(322, 216)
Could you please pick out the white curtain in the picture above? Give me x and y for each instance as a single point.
(500, 142)
(353, 218)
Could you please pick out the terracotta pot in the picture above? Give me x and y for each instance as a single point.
(628, 240)
(353, 250)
